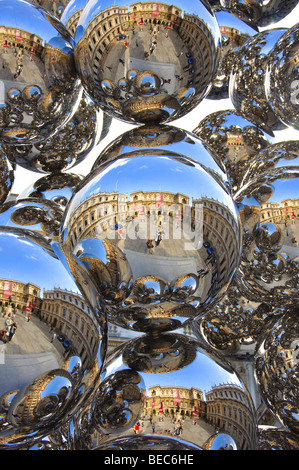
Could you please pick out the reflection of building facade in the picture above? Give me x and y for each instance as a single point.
(275, 212)
(228, 409)
(19, 295)
(170, 400)
(71, 317)
(12, 37)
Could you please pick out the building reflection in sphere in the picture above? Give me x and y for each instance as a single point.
(155, 227)
(235, 31)
(120, 57)
(35, 44)
(235, 140)
(268, 208)
(43, 359)
(276, 368)
(185, 383)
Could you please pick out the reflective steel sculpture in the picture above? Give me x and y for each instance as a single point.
(142, 223)
(246, 85)
(281, 81)
(41, 377)
(120, 57)
(39, 85)
(151, 303)
(175, 370)
(235, 140)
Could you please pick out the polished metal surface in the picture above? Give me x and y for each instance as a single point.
(235, 140)
(41, 378)
(262, 12)
(247, 80)
(281, 80)
(145, 237)
(120, 57)
(276, 368)
(149, 301)
(267, 203)
(235, 31)
(39, 85)
(189, 392)
(69, 146)
(57, 187)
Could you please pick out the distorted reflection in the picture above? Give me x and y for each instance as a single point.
(68, 147)
(235, 140)
(158, 249)
(35, 45)
(276, 368)
(268, 207)
(50, 338)
(246, 85)
(120, 56)
(190, 394)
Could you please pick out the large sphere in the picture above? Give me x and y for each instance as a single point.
(262, 12)
(268, 208)
(184, 383)
(42, 379)
(235, 140)
(276, 369)
(282, 78)
(246, 84)
(40, 89)
(156, 228)
(121, 60)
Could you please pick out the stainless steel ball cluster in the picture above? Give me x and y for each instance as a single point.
(152, 302)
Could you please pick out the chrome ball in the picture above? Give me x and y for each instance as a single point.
(44, 378)
(39, 85)
(120, 57)
(276, 368)
(235, 140)
(281, 79)
(171, 244)
(184, 382)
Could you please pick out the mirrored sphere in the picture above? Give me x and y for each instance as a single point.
(235, 140)
(57, 187)
(70, 145)
(235, 31)
(184, 383)
(44, 353)
(120, 57)
(155, 227)
(246, 83)
(268, 208)
(282, 78)
(262, 12)
(234, 325)
(147, 443)
(7, 176)
(276, 368)
(39, 84)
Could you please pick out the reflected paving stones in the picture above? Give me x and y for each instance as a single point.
(122, 64)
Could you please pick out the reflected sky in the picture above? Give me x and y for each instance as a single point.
(23, 260)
